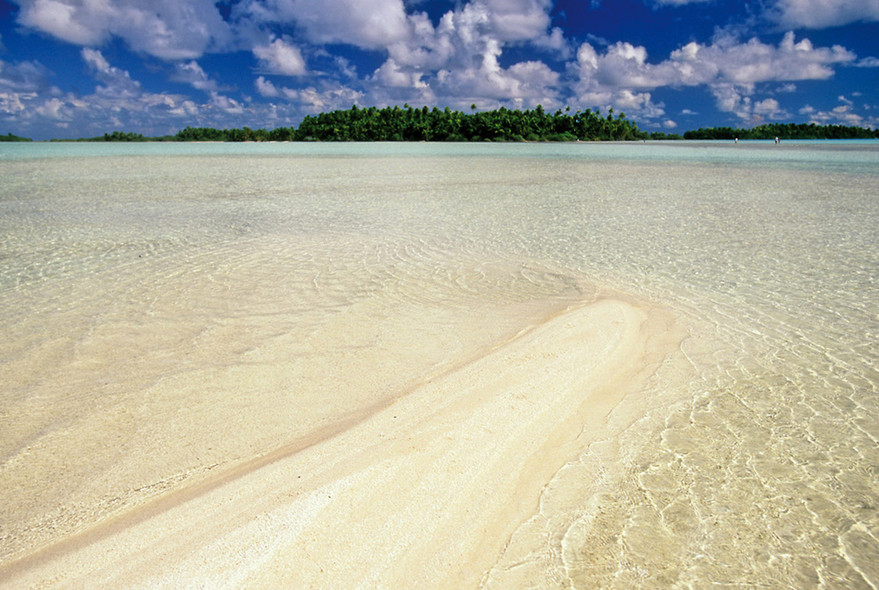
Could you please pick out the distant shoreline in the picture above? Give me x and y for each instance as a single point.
(410, 124)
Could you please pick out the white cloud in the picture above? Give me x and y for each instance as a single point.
(819, 14)
(729, 68)
(555, 41)
(840, 115)
(459, 59)
(769, 108)
(191, 73)
(26, 76)
(526, 83)
(371, 25)
(280, 57)
(64, 20)
(725, 60)
(266, 88)
(54, 108)
(11, 103)
(227, 105)
(637, 102)
(391, 74)
(334, 98)
(32, 108)
(517, 20)
(329, 97)
(168, 29)
(96, 60)
(121, 101)
(754, 61)
(116, 82)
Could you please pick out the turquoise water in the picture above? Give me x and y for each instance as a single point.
(138, 279)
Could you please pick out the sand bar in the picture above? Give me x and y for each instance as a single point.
(425, 492)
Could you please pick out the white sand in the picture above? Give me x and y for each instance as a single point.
(426, 492)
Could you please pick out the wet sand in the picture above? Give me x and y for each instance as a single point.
(425, 491)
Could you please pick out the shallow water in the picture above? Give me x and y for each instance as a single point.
(169, 309)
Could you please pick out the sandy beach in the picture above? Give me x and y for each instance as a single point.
(424, 492)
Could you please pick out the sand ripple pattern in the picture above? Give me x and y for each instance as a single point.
(763, 473)
(152, 295)
(164, 317)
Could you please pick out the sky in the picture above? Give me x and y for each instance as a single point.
(82, 68)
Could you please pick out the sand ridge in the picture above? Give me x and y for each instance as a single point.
(424, 492)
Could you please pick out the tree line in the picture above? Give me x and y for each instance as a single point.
(785, 131)
(424, 124)
(10, 137)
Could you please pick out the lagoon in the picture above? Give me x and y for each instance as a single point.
(641, 364)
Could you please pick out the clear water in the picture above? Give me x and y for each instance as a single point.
(215, 299)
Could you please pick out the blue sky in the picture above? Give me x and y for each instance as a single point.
(80, 68)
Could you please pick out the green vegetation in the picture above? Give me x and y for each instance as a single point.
(661, 135)
(10, 137)
(785, 131)
(411, 124)
(120, 136)
(425, 124)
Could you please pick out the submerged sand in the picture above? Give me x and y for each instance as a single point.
(427, 491)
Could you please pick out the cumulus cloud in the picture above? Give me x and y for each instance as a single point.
(841, 115)
(225, 104)
(725, 60)
(26, 76)
(517, 20)
(266, 88)
(280, 57)
(121, 99)
(115, 82)
(191, 73)
(728, 67)
(35, 108)
(807, 14)
(458, 60)
(11, 104)
(54, 108)
(312, 99)
(168, 29)
(819, 14)
(391, 74)
(769, 108)
(370, 25)
(332, 98)
(25, 88)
